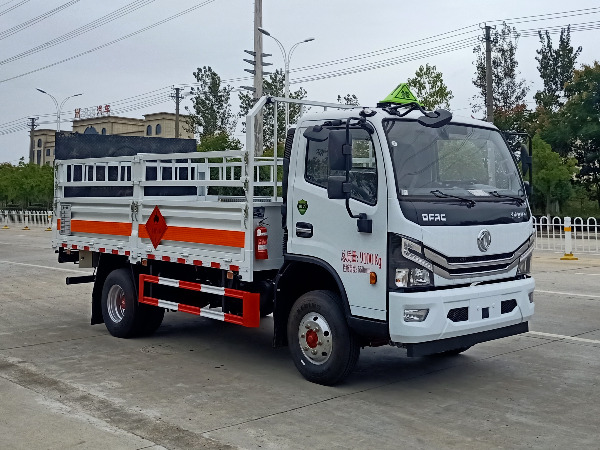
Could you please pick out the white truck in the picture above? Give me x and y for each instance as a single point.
(387, 225)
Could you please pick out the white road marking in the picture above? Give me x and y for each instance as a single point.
(567, 293)
(588, 274)
(45, 267)
(562, 337)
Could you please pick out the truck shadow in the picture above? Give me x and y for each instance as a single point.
(252, 351)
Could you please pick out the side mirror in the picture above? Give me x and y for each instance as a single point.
(316, 133)
(528, 189)
(526, 160)
(436, 119)
(340, 152)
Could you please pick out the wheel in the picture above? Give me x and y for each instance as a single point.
(152, 317)
(120, 308)
(322, 346)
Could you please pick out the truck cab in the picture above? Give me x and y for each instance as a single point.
(427, 233)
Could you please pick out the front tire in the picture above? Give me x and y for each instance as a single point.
(120, 308)
(322, 346)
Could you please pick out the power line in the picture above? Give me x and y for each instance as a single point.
(7, 10)
(446, 48)
(116, 14)
(560, 15)
(107, 44)
(132, 103)
(31, 22)
(585, 26)
(6, 3)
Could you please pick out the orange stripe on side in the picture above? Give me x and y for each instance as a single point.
(97, 227)
(58, 224)
(209, 236)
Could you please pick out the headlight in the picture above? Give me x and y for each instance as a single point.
(414, 252)
(408, 267)
(524, 266)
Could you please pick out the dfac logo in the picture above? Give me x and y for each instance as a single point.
(484, 240)
(433, 217)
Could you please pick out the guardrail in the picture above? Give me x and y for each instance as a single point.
(551, 235)
(25, 219)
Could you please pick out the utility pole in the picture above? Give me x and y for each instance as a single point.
(489, 94)
(258, 75)
(177, 98)
(32, 126)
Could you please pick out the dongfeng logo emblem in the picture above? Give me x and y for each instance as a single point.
(484, 240)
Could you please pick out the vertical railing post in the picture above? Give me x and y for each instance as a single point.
(275, 138)
(5, 227)
(26, 220)
(568, 244)
(49, 227)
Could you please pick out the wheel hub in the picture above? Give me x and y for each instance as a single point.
(315, 338)
(116, 303)
(312, 338)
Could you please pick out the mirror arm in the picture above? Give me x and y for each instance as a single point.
(363, 223)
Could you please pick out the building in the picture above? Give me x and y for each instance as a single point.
(160, 125)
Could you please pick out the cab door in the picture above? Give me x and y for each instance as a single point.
(322, 228)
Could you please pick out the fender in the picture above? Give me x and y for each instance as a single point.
(370, 330)
(289, 259)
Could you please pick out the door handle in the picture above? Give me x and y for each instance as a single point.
(304, 229)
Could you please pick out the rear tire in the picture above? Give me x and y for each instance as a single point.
(322, 346)
(120, 308)
(152, 317)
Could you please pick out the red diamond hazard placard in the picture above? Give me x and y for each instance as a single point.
(156, 226)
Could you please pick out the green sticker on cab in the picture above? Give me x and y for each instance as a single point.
(302, 206)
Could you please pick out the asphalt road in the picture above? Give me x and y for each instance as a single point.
(199, 383)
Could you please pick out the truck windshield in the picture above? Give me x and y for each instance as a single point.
(457, 160)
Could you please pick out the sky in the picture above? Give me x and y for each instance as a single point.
(129, 54)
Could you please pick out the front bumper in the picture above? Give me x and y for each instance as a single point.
(483, 303)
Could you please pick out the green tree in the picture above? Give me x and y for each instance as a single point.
(219, 142)
(552, 176)
(273, 86)
(211, 109)
(25, 185)
(429, 87)
(7, 183)
(517, 119)
(556, 67)
(575, 129)
(508, 89)
(348, 99)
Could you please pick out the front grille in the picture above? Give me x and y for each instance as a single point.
(507, 306)
(478, 259)
(478, 269)
(459, 314)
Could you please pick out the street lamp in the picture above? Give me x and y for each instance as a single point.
(58, 108)
(286, 60)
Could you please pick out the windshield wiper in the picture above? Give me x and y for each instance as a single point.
(519, 200)
(470, 203)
